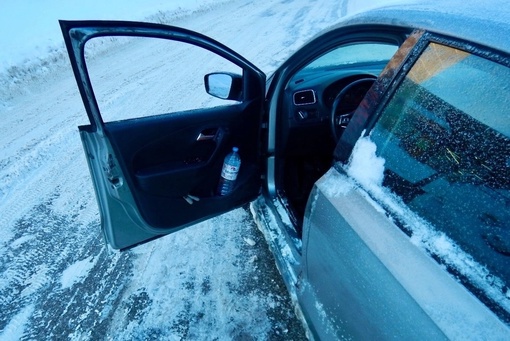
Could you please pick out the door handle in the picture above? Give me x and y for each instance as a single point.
(207, 134)
(203, 137)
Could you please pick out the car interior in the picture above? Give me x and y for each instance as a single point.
(319, 101)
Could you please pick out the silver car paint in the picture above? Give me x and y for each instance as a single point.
(361, 267)
(360, 276)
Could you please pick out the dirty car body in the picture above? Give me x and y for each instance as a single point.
(376, 158)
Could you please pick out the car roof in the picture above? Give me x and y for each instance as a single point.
(485, 23)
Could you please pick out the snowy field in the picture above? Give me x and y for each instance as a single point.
(58, 280)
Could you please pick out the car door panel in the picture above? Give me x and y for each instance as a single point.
(402, 291)
(164, 170)
(155, 175)
(154, 150)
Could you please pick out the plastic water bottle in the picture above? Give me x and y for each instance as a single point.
(231, 166)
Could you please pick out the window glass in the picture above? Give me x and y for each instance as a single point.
(346, 55)
(139, 76)
(353, 54)
(445, 139)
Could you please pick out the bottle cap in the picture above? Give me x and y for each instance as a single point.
(235, 149)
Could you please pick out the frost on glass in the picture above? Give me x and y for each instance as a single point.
(445, 139)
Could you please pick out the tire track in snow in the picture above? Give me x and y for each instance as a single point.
(202, 297)
(80, 308)
(37, 154)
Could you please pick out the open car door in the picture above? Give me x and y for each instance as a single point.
(155, 144)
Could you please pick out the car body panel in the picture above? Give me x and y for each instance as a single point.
(392, 283)
(480, 23)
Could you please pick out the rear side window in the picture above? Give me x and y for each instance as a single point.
(445, 139)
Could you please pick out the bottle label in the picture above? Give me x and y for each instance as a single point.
(229, 172)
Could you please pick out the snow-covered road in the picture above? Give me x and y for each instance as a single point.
(57, 278)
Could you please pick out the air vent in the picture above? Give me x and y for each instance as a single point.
(304, 97)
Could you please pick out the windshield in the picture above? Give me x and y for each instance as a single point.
(353, 54)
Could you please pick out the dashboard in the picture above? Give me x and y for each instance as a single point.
(310, 95)
(305, 116)
(305, 139)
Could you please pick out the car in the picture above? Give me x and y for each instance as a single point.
(376, 160)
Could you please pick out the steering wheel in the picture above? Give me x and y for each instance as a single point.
(345, 104)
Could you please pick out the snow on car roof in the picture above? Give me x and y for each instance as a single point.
(485, 23)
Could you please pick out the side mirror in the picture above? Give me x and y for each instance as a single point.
(224, 85)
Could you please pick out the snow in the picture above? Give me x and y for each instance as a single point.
(364, 165)
(20, 241)
(57, 277)
(32, 42)
(16, 327)
(249, 241)
(76, 272)
(30, 29)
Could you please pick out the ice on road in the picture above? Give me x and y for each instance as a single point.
(58, 280)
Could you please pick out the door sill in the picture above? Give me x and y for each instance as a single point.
(273, 221)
